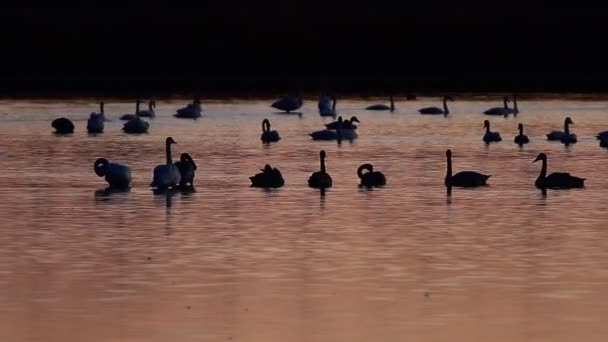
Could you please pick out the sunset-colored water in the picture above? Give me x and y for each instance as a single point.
(234, 263)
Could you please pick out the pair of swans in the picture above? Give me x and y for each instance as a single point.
(170, 175)
(150, 113)
(95, 123)
(191, 111)
(322, 180)
(269, 136)
(565, 137)
(327, 105)
(269, 178)
(288, 103)
(436, 110)
(338, 130)
(383, 106)
(504, 110)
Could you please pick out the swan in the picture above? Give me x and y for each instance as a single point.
(117, 175)
(269, 178)
(268, 135)
(370, 178)
(513, 110)
(288, 103)
(136, 125)
(150, 112)
(556, 180)
(191, 111)
(127, 117)
(499, 110)
(95, 123)
(558, 135)
(437, 110)
(341, 124)
(463, 178)
(320, 179)
(490, 136)
(327, 106)
(345, 130)
(166, 175)
(521, 138)
(383, 106)
(63, 126)
(186, 167)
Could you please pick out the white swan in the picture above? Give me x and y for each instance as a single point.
(149, 113)
(437, 110)
(191, 111)
(95, 123)
(166, 175)
(288, 103)
(117, 175)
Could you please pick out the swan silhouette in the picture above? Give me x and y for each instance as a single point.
(117, 175)
(370, 178)
(136, 125)
(320, 179)
(342, 130)
(63, 126)
(288, 103)
(463, 178)
(191, 111)
(521, 138)
(269, 136)
(437, 110)
(556, 180)
(127, 117)
(327, 106)
(343, 124)
(500, 110)
(565, 136)
(490, 136)
(383, 106)
(186, 167)
(269, 178)
(166, 175)
(95, 123)
(149, 113)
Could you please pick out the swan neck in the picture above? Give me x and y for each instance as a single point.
(322, 164)
(543, 170)
(566, 127)
(263, 126)
(521, 131)
(101, 107)
(505, 103)
(445, 106)
(136, 107)
(392, 104)
(168, 152)
(333, 105)
(448, 174)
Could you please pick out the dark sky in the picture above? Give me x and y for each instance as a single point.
(298, 44)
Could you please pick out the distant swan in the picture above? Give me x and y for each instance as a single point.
(564, 136)
(117, 175)
(437, 110)
(268, 135)
(604, 141)
(191, 111)
(166, 175)
(383, 106)
(136, 125)
(186, 167)
(288, 103)
(95, 123)
(340, 124)
(320, 179)
(556, 180)
(150, 112)
(521, 138)
(490, 136)
(370, 178)
(63, 125)
(463, 178)
(132, 116)
(513, 110)
(269, 178)
(500, 110)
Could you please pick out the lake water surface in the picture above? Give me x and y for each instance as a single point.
(230, 262)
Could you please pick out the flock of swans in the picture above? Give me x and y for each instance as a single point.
(181, 173)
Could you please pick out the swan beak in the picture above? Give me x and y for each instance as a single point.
(535, 160)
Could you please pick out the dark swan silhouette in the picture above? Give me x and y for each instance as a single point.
(129, 116)
(504, 110)
(136, 125)
(383, 106)
(187, 168)
(166, 175)
(490, 136)
(63, 126)
(437, 110)
(95, 123)
(288, 103)
(521, 138)
(370, 178)
(269, 178)
(117, 175)
(268, 135)
(191, 111)
(320, 179)
(556, 180)
(565, 136)
(513, 110)
(463, 178)
(343, 124)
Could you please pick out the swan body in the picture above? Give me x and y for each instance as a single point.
(558, 135)
(601, 135)
(127, 117)
(269, 178)
(320, 179)
(117, 175)
(504, 110)
(187, 168)
(490, 136)
(288, 103)
(513, 110)
(343, 124)
(166, 175)
(370, 178)
(149, 113)
(383, 106)
(604, 141)
(268, 135)
(463, 178)
(63, 125)
(136, 125)
(326, 134)
(327, 105)
(191, 111)
(437, 110)
(521, 138)
(556, 180)
(95, 123)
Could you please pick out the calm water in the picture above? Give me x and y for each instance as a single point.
(230, 262)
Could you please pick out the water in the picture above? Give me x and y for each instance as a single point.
(230, 262)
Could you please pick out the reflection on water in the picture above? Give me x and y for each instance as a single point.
(226, 261)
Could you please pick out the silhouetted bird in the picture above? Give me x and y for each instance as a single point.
(556, 180)
(463, 178)
(117, 175)
(370, 178)
(63, 126)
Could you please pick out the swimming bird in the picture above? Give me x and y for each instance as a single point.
(268, 135)
(191, 111)
(558, 135)
(117, 175)
(437, 110)
(95, 123)
(166, 175)
(186, 167)
(320, 179)
(327, 106)
(326, 134)
(149, 113)
(136, 125)
(521, 138)
(499, 110)
(127, 117)
(269, 178)
(370, 178)
(490, 136)
(288, 103)
(383, 106)
(513, 110)
(556, 180)
(463, 178)
(63, 126)
(341, 124)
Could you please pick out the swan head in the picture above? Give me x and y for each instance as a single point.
(266, 122)
(100, 166)
(267, 168)
(506, 99)
(170, 141)
(354, 118)
(486, 124)
(568, 121)
(323, 154)
(448, 153)
(541, 156)
(520, 126)
(339, 118)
